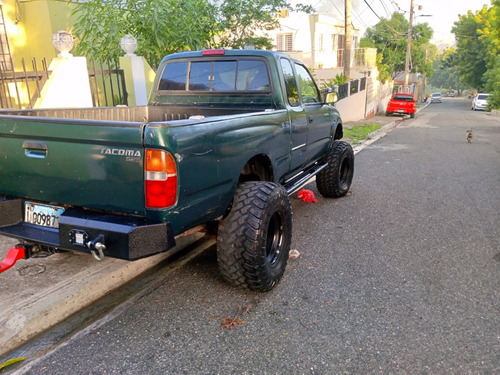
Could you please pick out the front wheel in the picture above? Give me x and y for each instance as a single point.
(253, 242)
(335, 180)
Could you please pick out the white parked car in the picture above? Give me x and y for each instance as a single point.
(480, 102)
(436, 98)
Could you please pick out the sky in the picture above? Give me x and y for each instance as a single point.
(443, 13)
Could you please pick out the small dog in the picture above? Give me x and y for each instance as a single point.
(469, 135)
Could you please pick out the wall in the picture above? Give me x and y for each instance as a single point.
(352, 108)
(378, 95)
(31, 37)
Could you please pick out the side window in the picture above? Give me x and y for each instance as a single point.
(252, 76)
(292, 92)
(308, 88)
(174, 76)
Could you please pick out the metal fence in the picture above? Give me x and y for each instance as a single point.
(21, 89)
(362, 84)
(107, 84)
(343, 90)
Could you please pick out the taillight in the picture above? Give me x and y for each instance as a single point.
(160, 173)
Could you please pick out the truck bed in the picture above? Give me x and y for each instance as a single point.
(140, 114)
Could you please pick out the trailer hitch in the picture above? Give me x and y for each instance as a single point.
(97, 247)
(13, 255)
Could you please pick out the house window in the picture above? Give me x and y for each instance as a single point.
(334, 42)
(355, 42)
(284, 42)
(321, 42)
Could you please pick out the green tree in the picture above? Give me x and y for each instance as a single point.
(242, 22)
(471, 49)
(390, 37)
(165, 26)
(158, 26)
(491, 33)
(478, 50)
(445, 71)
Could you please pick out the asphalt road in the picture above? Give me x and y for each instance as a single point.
(400, 276)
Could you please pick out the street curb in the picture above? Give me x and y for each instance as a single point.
(380, 133)
(377, 134)
(31, 316)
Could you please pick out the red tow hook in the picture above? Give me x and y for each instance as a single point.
(13, 255)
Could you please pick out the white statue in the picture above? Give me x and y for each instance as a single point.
(129, 44)
(64, 42)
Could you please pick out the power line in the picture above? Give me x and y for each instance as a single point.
(358, 17)
(385, 8)
(369, 6)
(335, 6)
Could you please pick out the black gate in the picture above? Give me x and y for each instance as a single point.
(21, 89)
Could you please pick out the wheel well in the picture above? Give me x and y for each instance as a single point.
(259, 168)
(339, 131)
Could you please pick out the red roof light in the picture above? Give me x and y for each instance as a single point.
(211, 52)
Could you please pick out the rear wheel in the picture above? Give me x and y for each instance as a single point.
(412, 115)
(254, 240)
(335, 180)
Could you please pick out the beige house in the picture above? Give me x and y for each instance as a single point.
(319, 41)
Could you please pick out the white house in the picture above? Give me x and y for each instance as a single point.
(319, 41)
(315, 39)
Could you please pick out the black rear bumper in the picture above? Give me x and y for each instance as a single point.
(125, 237)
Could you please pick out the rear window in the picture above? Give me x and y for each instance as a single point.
(216, 76)
(404, 98)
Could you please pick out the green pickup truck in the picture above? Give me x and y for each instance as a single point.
(227, 136)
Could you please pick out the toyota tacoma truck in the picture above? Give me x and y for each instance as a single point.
(226, 137)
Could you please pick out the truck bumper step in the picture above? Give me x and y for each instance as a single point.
(119, 236)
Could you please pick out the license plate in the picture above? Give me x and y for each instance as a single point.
(42, 214)
(400, 110)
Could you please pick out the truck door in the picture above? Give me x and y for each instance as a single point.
(319, 122)
(298, 121)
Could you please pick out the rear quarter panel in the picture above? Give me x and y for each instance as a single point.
(210, 156)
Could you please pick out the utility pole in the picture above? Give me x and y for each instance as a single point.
(347, 50)
(408, 50)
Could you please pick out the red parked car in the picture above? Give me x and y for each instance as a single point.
(402, 104)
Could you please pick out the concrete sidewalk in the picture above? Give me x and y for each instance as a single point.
(38, 293)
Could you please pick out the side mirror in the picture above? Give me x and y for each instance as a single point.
(330, 94)
(331, 97)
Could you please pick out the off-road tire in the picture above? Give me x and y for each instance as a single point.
(253, 241)
(412, 115)
(335, 180)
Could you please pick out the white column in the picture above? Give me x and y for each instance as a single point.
(68, 84)
(129, 44)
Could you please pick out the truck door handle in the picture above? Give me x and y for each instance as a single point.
(35, 149)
